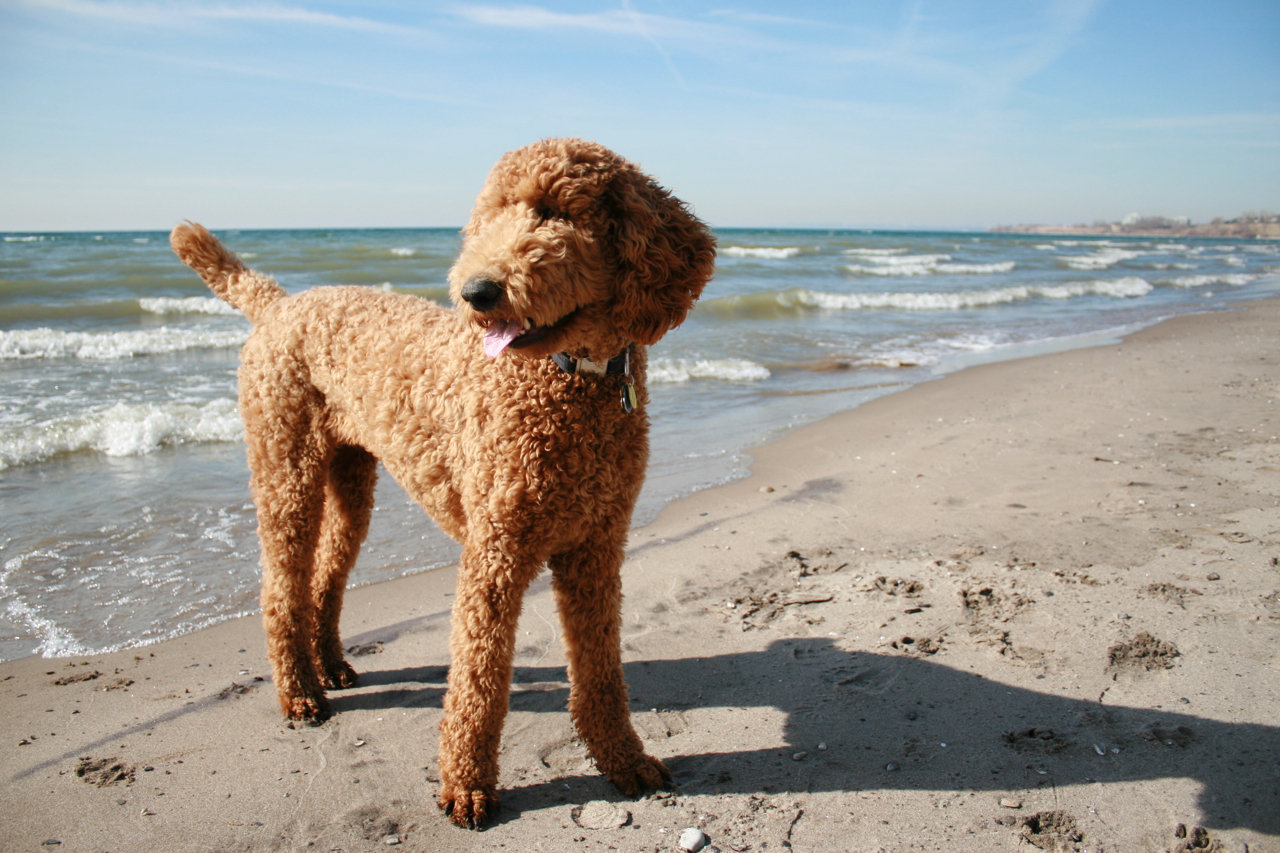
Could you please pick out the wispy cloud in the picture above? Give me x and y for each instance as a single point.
(654, 29)
(624, 21)
(169, 15)
(1212, 122)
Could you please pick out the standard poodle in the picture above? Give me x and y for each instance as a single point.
(517, 420)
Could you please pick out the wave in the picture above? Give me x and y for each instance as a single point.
(777, 303)
(32, 238)
(404, 253)
(927, 353)
(904, 265)
(54, 343)
(55, 641)
(122, 430)
(1231, 279)
(676, 370)
(1121, 288)
(188, 305)
(875, 253)
(767, 252)
(1102, 259)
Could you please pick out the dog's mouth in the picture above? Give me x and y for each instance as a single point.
(501, 334)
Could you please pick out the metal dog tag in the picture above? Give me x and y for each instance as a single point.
(629, 401)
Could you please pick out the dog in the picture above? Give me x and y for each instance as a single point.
(517, 420)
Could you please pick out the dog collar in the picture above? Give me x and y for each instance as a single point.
(619, 365)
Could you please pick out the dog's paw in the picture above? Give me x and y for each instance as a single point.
(469, 809)
(338, 676)
(648, 774)
(310, 710)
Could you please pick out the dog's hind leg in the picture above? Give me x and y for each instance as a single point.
(588, 588)
(348, 506)
(288, 455)
(490, 590)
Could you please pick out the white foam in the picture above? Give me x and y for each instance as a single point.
(55, 641)
(913, 269)
(188, 305)
(54, 343)
(404, 253)
(767, 252)
(1102, 259)
(906, 265)
(122, 430)
(1127, 287)
(977, 269)
(872, 253)
(34, 238)
(674, 370)
(895, 355)
(1230, 279)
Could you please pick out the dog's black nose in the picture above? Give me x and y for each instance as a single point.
(482, 294)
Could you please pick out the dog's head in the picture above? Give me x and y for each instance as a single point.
(571, 248)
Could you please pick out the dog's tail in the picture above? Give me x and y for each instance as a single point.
(226, 274)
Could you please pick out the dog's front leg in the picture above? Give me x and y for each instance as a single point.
(588, 589)
(481, 646)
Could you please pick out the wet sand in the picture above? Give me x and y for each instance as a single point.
(1034, 602)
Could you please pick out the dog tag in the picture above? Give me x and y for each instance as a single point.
(629, 402)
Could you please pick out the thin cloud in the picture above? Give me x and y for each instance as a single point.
(1220, 121)
(624, 21)
(184, 14)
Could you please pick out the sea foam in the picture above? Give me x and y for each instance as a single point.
(672, 370)
(1120, 288)
(767, 252)
(55, 343)
(910, 265)
(1229, 279)
(188, 305)
(122, 430)
(1102, 259)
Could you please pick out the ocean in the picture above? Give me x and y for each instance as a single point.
(125, 515)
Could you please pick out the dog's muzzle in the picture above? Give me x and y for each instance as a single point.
(482, 294)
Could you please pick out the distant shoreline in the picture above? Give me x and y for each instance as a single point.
(1232, 230)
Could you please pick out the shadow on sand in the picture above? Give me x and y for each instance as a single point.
(875, 712)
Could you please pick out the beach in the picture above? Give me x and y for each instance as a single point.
(1029, 602)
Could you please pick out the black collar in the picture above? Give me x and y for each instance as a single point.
(616, 366)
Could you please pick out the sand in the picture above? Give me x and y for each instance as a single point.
(1028, 603)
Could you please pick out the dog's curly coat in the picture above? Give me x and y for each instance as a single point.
(570, 249)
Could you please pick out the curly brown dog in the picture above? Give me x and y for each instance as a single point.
(517, 421)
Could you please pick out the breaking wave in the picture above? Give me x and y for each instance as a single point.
(122, 430)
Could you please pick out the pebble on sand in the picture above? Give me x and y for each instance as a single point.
(693, 839)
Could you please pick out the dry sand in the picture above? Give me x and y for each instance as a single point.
(1033, 602)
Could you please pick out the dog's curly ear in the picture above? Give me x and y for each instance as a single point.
(665, 256)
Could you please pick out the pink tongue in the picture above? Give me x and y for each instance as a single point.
(498, 335)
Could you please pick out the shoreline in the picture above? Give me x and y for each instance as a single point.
(950, 581)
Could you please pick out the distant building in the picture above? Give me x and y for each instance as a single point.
(1131, 219)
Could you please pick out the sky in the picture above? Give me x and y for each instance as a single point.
(134, 114)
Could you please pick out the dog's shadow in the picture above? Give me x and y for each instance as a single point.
(875, 721)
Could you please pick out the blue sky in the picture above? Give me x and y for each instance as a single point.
(127, 114)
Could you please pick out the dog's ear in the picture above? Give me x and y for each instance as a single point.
(665, 256)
